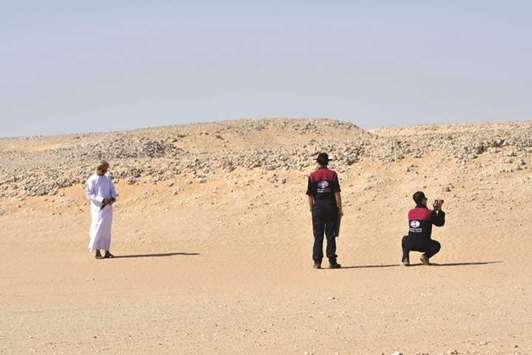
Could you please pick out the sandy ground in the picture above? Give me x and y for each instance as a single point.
(225, 267)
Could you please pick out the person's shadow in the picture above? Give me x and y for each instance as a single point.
(153, 255)
(367, 266)
(419, 264)
(466, 264)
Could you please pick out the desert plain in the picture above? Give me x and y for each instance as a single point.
(213, 240)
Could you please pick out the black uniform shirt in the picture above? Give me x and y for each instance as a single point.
(323, 184)
(420, 221)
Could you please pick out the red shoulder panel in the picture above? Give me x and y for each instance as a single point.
(419, 214)
(323, 174)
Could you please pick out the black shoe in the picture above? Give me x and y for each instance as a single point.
(424, 260)
(317, 265)
(335, 266)
(406, 262)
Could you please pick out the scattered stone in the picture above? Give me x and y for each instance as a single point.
(411, 168)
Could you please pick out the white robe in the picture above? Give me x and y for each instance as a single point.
(98, 188)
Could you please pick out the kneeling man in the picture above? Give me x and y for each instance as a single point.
(420, 221)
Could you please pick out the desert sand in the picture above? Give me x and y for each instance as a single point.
(213, 241)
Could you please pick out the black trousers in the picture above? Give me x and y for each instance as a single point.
(428, 246)
(324, 221)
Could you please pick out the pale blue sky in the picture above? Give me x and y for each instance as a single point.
(71, 66)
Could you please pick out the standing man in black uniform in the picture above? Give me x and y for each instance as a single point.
(420, 221)
(325, 202)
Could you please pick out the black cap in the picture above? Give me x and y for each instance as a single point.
(323, 159)
(419, 197)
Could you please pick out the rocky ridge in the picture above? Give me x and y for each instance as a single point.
(39, 166)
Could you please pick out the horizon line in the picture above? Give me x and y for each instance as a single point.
(269, 118)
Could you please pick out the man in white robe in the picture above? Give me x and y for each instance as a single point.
(101, 193)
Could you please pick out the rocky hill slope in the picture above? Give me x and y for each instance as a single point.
(39, 166)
